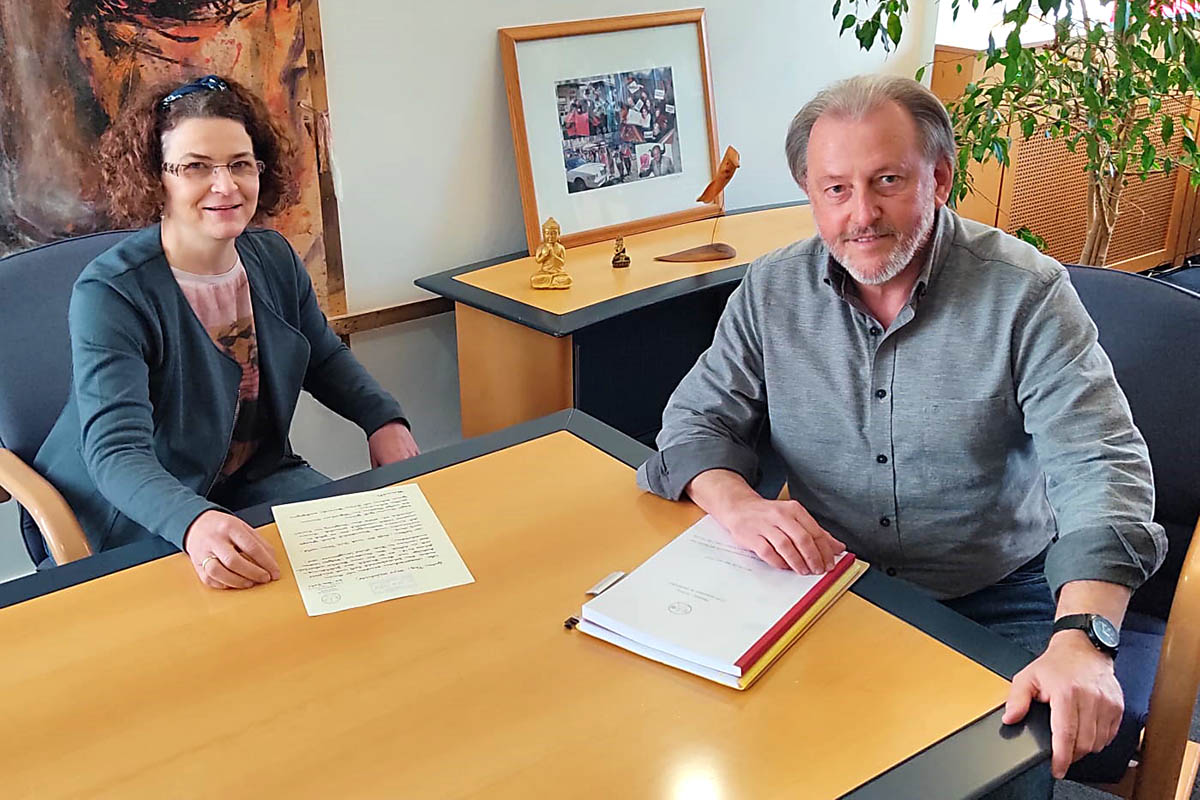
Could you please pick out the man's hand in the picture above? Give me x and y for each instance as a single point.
(1086, 703)
(227, 553)
(391, 443)
(781, 532)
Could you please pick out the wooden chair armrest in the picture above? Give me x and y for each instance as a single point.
(49, 510)
(1175, 686)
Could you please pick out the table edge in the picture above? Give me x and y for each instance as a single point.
(1025, 744)
(445, 285)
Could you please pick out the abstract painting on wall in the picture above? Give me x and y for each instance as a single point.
(67, 66)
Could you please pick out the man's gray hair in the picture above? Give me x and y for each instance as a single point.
(856, 97)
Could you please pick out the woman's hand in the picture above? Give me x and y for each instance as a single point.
(227, 553)
(391, 443)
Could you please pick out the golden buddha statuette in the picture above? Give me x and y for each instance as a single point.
(551, 258)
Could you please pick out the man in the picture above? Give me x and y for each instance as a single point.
(937, 394)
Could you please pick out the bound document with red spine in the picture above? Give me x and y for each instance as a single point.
(702, 601)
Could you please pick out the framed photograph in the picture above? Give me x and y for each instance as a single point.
(613, 123)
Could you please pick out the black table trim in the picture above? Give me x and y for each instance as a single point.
(444, 284)
(420, 465)
(951, 765)
(121, 558)
(104, 563)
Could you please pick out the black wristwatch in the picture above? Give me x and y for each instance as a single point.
(1102, 633)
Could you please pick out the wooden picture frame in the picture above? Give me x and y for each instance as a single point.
(595, 94)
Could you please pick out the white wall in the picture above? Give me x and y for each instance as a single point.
(427, 179)
(972, 27)
(415, 361)
(423, 155)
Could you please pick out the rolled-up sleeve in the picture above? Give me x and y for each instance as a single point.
(714, 416)
(1098, 477)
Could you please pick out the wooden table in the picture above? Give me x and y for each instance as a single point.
(143, 683)
(618, 341)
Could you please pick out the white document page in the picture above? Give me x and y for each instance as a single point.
(363, 548)
(701, 598)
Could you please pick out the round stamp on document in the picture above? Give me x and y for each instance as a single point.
(329, 598)
(679, 608)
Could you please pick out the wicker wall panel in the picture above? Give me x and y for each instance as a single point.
(1049, 196)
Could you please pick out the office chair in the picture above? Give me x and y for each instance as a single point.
(1151, 332)
(1186, 278)
(35, 379)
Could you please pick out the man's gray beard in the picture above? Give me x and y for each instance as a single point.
(902, 254)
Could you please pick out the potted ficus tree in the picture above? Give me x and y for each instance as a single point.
(1118, 88)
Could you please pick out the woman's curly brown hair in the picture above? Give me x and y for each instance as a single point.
(131, 151)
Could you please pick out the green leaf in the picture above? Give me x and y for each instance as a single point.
(837, 6)
(1121, 18)
(920, 74)
(1168, 129)
(1189, 144)
(1013, 43)
(1000, 150)
(1046, 5)
(1162, 77)
(867, 33)
(894, 28)
(847, 22)
(1148, 158)
(1027, 235)
(958, 69)
(1027, 127)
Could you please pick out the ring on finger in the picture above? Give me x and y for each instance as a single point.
(207, 559)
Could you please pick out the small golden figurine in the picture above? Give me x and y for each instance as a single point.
(620, 257)
(551, 257)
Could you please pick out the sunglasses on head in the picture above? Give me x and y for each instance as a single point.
(208, 83)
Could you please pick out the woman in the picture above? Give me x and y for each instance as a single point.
(192, 338)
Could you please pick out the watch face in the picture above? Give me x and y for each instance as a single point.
(1105, 632)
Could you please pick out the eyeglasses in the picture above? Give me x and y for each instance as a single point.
(207, 83)
(198, 171)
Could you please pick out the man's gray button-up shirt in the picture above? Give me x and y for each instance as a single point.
(982, 425)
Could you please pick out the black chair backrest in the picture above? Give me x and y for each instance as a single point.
(35, 351)
(1184, 278)
(1151, 332)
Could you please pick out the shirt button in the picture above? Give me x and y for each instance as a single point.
(891, 571)
(884, 521)
(875, 331)
(881, 393)
(881, 458)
